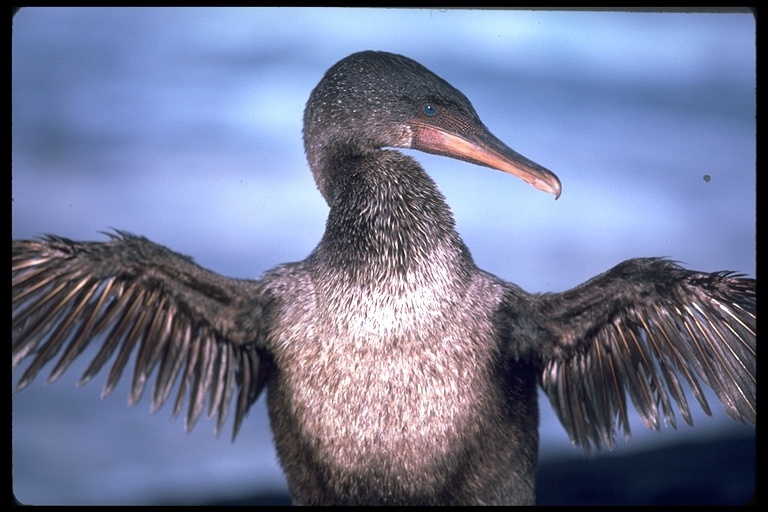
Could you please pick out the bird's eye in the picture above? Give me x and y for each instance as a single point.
(430, 110)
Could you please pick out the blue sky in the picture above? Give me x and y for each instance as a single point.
(184, 125)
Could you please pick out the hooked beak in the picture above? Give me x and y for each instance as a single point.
(479, 146)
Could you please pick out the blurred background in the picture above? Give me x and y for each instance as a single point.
(184, 125)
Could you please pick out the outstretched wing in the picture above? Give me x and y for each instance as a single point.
(635, 329)
(135, 295)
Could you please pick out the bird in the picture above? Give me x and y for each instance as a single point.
(396, 371)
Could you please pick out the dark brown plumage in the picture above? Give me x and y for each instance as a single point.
(397, 371)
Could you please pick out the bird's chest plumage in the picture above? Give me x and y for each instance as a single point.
(386, 373)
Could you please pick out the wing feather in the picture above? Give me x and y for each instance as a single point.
(635, 330)
(142, 301)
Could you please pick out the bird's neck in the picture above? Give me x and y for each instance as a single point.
(388, 220)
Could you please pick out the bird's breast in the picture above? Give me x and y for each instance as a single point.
(389, 371)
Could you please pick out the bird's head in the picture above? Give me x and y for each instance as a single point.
(370, 100)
